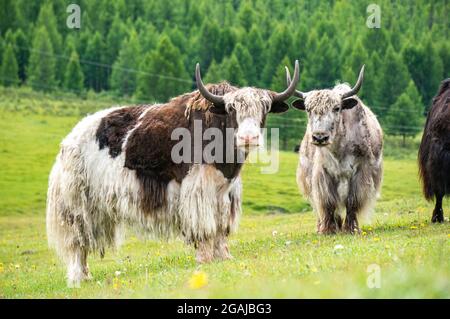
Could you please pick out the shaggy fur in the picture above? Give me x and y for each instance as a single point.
(346, 174)
(434, 152)
(115, 169)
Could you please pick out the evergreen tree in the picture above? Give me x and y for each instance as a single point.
(48, 20)
(26, 11)
(375, 40)
(405, 116)
(215, 73)
(444, 53)
(246, 15)
(394, 82)
(277, 48)
(353, 63)
(234, 72)
(255, 47)
(73, 77)
(279, 80)
(321, 71)
(371, 83)
(106, 16)
(246, 63)
(94, 70)
(8, 15)
(209, 43)
(2, 45)
(114, 40)
(22, 52)
(163, 75)
(227, 42)
(425, 66)
(41, 69)
(124, 74)
(9, 70)
(148, 37)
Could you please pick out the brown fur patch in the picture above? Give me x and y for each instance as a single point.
(113, 128)
(148, 150)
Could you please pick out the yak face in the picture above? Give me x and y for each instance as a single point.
(324, 108)
(249, 106)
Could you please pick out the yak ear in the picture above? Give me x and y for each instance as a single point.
(349, 103)
(279, 107)
(217, 109)
(299, 104)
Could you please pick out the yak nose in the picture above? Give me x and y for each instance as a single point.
(248, 138)
(320, 138)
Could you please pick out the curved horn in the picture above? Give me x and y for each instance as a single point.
(216, 99)
(357, 86)
(297, 93)
(291, 86)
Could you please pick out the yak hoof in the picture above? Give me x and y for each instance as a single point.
(437, 218)
(351, 229)
(204, 258)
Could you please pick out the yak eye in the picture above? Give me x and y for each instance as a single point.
(336, 109)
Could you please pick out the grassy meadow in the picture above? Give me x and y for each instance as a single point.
(277, 252)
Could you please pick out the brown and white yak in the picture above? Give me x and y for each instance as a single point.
(340, 161)
(116, 168)
(434, 152)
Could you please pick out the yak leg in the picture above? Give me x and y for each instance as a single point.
(221, 250)
(351, 221)
(438, 213)
(338, 221)
(352, 207)
(204, 251)
(325, 201)
(360, 193)
(228, 221)
(77, 267)
(329, 222)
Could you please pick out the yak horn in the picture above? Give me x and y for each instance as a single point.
(291, 86)
(215, 99)
(297, 93)
(357, 86)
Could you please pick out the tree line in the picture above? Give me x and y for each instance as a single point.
(147, 50)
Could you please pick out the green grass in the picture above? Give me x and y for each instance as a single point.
(276, 251)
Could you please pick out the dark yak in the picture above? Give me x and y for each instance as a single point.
(434, 151)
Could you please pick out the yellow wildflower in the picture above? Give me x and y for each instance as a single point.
(198, 280)
(1, 267)
(413, 227)
(116, 283)
(376, 239)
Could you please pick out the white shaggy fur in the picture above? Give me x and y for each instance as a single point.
(348, 171)
(91, 196)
